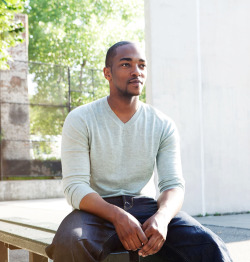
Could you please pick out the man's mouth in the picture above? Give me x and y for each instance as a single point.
(135, 81)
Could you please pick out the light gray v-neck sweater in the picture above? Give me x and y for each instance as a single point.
(102, 154)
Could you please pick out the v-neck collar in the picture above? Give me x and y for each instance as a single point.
(117, 119)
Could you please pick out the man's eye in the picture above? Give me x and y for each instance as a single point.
(125, 64)
(142, 66)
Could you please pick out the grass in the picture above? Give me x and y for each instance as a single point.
(30, 178)
(223, 214)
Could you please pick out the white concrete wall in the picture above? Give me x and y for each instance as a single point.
(199, 74)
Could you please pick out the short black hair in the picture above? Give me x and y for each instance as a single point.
(112, 52)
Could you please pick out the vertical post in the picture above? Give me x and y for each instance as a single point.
(37, 258)
(133, 256)
(4, 253)
(199, 74)
(1, 137)
(69, 90)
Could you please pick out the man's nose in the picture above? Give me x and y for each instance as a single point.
(136, 71)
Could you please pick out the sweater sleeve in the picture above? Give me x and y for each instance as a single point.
(75, 159)
(168, 160)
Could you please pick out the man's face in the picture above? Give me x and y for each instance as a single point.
(128, 71)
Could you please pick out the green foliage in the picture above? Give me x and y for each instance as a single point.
(79, 32)
(10, 29)
(48, 99)
(217, 214)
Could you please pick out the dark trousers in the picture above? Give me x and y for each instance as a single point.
(83, 237)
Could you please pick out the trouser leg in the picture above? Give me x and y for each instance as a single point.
(83, 237)
(189, 241)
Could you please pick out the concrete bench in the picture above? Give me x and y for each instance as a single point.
(19, 233)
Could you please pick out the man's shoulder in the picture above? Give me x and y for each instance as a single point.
(86, 108)
(152, 112)
(159, 122)
(85, 112)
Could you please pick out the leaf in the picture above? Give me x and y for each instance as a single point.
(10, 30)
(4, 2)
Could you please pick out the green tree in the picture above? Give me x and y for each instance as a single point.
(10, 29)
(78, 32)
(74, 35)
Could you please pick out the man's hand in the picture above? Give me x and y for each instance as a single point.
(129, 231)
(128, 228)
(155, 229)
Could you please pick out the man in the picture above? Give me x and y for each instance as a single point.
(109, 150)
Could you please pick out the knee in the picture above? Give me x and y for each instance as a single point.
(63, 247)
(210, 236)
(216, 249)
(61, 244)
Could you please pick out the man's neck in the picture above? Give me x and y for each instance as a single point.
(124, 108)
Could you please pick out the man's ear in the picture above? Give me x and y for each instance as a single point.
(107, 73)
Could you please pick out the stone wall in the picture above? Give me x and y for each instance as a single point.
(14, 119)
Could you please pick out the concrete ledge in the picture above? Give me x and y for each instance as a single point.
(30, 189)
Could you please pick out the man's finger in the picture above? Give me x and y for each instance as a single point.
(133, 241)
(142, 238)
(152, 247)
(138, 240)
(125, 244)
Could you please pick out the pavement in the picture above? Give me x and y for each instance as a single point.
(233, 229)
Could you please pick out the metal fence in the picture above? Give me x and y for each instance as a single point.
(31, 149)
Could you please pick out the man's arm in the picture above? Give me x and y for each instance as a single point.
(127, 226)
(171, 185)
(156, 227)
